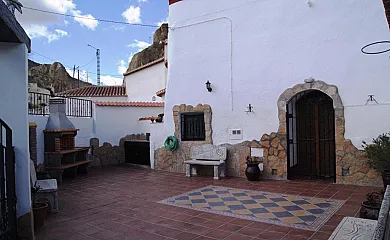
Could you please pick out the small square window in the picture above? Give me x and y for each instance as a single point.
(234, 132)
(192, 126)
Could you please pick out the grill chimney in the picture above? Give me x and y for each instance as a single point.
(57, 118)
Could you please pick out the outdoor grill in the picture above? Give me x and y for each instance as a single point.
(61, 153)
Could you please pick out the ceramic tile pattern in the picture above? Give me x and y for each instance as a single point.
(281, 209)
(121, 203)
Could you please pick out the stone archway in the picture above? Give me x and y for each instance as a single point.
(351, 166)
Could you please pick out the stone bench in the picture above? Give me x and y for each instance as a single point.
(207, 155)
(362, 229)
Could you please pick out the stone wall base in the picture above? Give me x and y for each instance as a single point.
(107, 154)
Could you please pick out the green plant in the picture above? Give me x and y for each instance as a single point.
(378, 152)
(252, 160)
(375, 198)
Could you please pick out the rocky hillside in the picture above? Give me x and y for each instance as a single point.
(52, 74)
(153, 52)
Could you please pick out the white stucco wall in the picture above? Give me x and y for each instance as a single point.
(113, 123)
(252, 51)
(141, 86)
(82, 139)
(13, 110)
(157, 138)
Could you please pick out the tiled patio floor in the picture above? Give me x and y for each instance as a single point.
(121, 203)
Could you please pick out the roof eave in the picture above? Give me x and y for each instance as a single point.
(11, 30)
(144, 67)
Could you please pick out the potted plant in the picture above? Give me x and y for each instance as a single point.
(371, 206)
(39, 208)
(378, 156)
(252, 170)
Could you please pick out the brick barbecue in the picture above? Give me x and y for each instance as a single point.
(61, 154)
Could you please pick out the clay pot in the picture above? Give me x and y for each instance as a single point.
(386, 178)
(39, 212)
(369, 212)
(252, 171)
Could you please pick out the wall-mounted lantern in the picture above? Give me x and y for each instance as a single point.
(208, 86)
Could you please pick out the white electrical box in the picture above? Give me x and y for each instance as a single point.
(257, 152)
(235, 134)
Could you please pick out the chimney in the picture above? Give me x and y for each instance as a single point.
(57, 118)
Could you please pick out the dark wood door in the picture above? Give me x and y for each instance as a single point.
(314, 137)
(137, 152)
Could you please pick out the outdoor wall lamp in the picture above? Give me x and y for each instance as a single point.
(208, 86)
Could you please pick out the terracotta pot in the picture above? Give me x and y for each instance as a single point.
(386, 178)
(39, 212)
(369, 212)
(252, 171)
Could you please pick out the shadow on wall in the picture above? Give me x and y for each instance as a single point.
(107, 154)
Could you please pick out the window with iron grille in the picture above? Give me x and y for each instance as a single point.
(192, 126)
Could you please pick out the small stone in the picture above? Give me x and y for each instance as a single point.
(282, 154)
(265, 144)
(275, 142)
(273, 135)
(265, 137)
(176, 109)
(364, 170)
(271, 151)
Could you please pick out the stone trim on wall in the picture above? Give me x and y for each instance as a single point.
(206, 109)
(174, 161)
(347, 155)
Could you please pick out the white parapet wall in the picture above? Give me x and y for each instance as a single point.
(113, 123)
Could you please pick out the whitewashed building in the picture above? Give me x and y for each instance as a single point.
(287, 77)
(14, 48)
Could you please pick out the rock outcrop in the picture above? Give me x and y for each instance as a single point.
(46, 75)
(153, 52)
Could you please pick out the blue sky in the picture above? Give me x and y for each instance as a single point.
(65, 39)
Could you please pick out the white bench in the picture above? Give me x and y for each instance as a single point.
(47, 188)
(207, 155)
(351, 228)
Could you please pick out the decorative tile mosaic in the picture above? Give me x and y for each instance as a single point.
(281, 209)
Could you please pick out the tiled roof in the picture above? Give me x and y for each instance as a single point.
(96, 91)
(144, 66)
(130, 104)
(161, 92)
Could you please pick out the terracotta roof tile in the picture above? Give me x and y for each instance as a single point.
(144, 66)
(96, 91)
(129, 104)
(161, 92)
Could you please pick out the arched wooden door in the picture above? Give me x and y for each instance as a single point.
(311, 136)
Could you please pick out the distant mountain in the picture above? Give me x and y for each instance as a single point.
(47, 75)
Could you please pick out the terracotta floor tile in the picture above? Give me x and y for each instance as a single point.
(121, 202)
(236, 236)
(270, 235)
(320, 236)
(228, 227)
(218, 234)
(251, 232)
(185, 236)
(200, 230)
